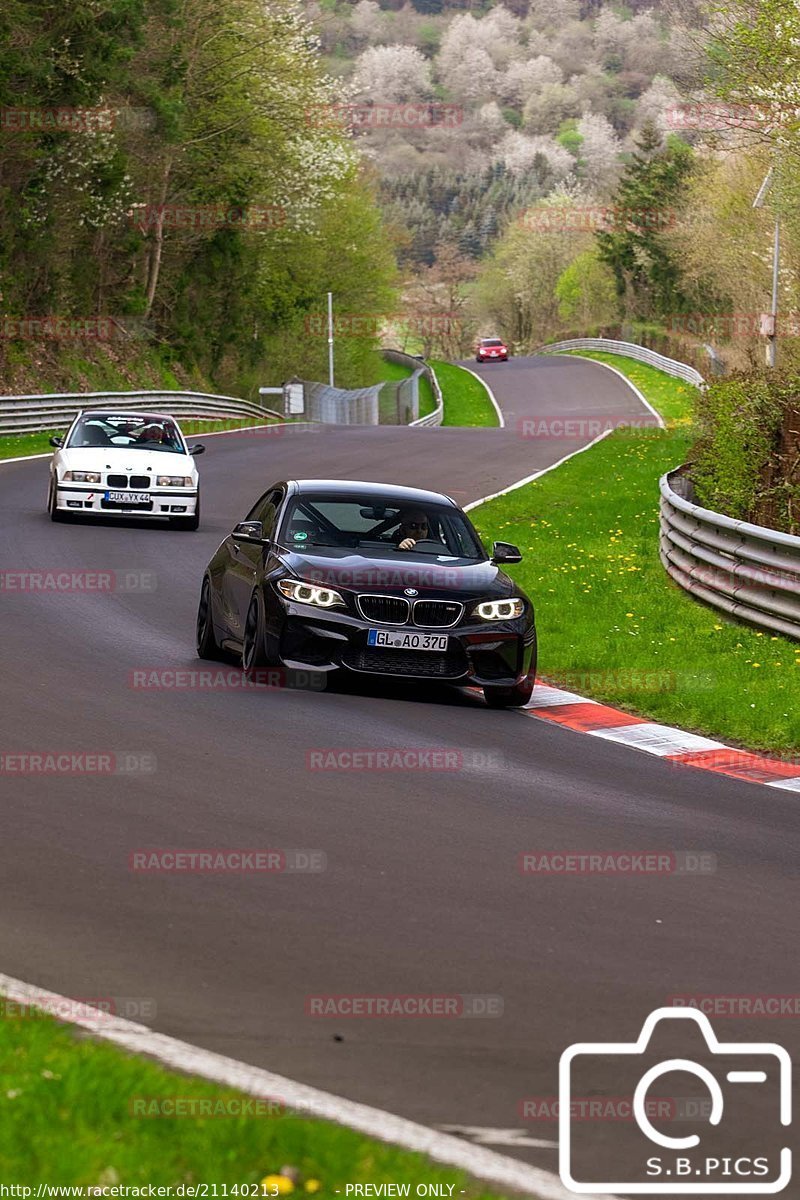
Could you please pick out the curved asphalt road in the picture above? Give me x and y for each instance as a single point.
(422, 892)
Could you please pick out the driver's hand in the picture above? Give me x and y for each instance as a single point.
(407, 544)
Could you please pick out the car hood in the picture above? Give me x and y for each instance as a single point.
(431, 575)
(118, 458)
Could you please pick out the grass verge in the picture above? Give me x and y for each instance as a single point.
(612, 625)
(466, 401)
(20, 445)
(70, 1110)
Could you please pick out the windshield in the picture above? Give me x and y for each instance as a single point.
(127, 432)
(491, 342)
(378, 527)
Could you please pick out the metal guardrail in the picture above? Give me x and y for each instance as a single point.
(747, 571)
(32, 414)
(630, 350)
(420, 367)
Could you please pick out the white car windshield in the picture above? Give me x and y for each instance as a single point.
(128, 432)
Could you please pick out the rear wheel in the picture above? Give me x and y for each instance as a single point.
(254, 654)
(207, 644)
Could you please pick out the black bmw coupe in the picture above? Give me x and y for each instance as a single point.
(334, 575)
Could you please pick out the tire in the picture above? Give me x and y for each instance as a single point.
(254, 655)
(207, 644)
(513, 697)
(188, 523)
(478, 359)
(55, 513)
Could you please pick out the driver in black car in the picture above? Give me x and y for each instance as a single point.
(413, 528)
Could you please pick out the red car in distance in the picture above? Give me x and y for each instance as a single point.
(491, 349)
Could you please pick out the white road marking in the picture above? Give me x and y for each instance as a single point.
(545, 696)
(538, 474)
(483, 1135)
(25, 457)
(310, 1101)
(788, 785)
(500, 418)
(659, 739)
(624, 378)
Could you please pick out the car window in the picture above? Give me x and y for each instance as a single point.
(128, 432)
(357, 523)
(265, 510)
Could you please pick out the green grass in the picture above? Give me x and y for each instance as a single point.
(612, 625)
(67, 1117)
(466, 401)
(39, 443)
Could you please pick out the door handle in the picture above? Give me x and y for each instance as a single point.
(236, 547)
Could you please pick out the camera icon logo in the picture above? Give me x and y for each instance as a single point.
(738, 1095)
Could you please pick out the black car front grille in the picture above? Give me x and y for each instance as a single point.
(390, 610)
(140, 482)
(410, 663)
(118, 481)
(437, 614)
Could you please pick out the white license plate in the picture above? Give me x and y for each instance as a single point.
(396, 639)
(129, 497)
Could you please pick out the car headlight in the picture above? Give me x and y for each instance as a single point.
(82, 476)
(173, 481)
(309, 593)
(500, 610)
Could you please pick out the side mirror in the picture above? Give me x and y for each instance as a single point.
(504, 552)
(57, 441)
(196, 449)
(253, 531)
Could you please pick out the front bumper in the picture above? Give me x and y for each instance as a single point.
(500, 654)
(90, 498)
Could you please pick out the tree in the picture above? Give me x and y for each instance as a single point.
(652, 188)
(599, 153)
(586, 293)
(388, 74)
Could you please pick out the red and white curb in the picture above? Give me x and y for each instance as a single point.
(673, 745)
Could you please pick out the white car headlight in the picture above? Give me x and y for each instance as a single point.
(81, 476)
(173, 481)
(500, 610)
(309, 593)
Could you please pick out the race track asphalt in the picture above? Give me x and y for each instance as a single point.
(422, 892)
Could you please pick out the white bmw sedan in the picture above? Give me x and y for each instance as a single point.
(126, 464)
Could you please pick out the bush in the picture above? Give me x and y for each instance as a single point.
(747, 456)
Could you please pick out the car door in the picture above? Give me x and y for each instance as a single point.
(245, 558)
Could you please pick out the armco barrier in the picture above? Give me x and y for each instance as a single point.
(630, 350)
(32, 414)
(745, 570)
(419, 367)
